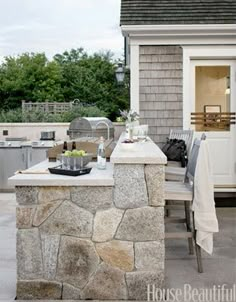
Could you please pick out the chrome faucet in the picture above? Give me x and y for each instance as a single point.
(108, 128)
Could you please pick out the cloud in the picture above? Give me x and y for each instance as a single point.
(55, 25)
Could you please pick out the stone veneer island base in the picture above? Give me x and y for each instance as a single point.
(98, 236)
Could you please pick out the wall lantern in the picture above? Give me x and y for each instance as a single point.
(120, 73)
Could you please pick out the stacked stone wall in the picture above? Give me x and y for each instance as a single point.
(100, 243)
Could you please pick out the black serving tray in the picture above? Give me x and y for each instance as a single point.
(59, 170)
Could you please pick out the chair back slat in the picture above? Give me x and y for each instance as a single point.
(191, 167)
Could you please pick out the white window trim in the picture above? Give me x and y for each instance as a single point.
(199, 52)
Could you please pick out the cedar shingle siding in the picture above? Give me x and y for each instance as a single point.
(161, 90)
(134, 12)
(160, 69)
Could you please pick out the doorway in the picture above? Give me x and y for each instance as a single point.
(212, 102)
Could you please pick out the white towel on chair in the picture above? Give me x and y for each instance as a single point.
(206, 222)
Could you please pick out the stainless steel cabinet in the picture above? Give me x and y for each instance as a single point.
(37, 154)
(11, 160)
(18, 158)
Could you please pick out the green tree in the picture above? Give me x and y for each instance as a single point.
(91, 79)
(30, 77)
(71, 75)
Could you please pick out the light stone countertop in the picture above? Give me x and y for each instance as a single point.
(137, 153)
(94, 178)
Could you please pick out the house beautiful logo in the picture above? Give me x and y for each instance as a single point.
(217, 293)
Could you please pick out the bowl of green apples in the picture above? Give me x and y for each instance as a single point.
(76, 159)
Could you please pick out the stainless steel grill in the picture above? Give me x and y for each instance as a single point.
(91, 127)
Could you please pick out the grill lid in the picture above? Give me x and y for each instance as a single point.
(90, 123)
(91, 126)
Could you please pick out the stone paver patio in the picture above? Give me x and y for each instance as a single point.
(180, 267)
(7, 247)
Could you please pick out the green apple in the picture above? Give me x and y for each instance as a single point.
(67, 153)
(82, 153)
(75, 153)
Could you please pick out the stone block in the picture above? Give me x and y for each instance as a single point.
(70, 292)
(130, 187)
(29, 254)
(155, 177)
(137, 283)
(92, 198)
(27, 195)
(50, 247)
(68, 219)
(38, 290)
(106, 223)
(77, 261)
(44, 210)
(143, 224)
(47, 194)
(117, 253)
(150, 255)
(108, 283)
(24, 217)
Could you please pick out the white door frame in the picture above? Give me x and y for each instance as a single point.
(222, 56)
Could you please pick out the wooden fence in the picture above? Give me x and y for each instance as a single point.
(49, 107)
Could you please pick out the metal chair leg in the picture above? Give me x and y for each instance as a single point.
(199, 258)
(188, 226)
(198, 250)
(167, 212)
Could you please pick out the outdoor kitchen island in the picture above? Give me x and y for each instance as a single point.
(98, 236)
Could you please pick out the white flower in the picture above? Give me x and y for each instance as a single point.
(130, 115)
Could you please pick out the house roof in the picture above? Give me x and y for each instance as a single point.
(148, 12)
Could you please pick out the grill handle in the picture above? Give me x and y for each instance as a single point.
(108, 128)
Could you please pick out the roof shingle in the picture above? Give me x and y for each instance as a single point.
(137, 12)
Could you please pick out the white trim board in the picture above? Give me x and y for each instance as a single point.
(184, 34)
(134, 79)
(179, 30)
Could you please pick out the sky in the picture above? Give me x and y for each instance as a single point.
(53, 26)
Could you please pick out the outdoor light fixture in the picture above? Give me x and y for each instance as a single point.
(227, 90)
(120, 73)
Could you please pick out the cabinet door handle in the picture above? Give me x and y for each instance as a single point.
(23, 157)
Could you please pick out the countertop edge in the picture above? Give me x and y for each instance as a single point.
(59, 182)
(95, 178)
(143, 153)
(154, 161)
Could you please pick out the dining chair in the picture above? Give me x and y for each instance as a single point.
(187, 136)
(184, 192)
(177, 173)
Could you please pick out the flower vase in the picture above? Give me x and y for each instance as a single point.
(129, 129)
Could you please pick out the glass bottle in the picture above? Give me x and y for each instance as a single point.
(101, 155)
(73, 146)
(64, 147)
